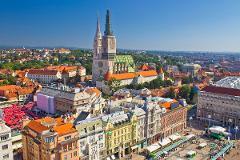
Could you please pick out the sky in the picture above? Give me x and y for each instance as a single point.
(181, 25)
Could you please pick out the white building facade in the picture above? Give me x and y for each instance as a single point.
(6, 150)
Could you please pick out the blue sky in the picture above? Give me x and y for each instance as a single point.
(205, 25)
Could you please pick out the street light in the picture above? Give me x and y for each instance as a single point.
(229, 125)
(236, 129)
(209, 117)
(190, 119)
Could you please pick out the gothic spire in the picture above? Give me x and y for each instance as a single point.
(98, 31)
(108, 31)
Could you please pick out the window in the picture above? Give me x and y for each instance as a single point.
(67, 137)
(85, 130)
(65, 148)
(6, 156)
(49, 139)
(75, 153)
(5, 147)
(5, 137)
(82, 143)
(65, 157)
(100, 137)
(100, 145)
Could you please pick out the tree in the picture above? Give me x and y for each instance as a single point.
(171, 93)
(185, 92)
(114, 84)
(187, 80)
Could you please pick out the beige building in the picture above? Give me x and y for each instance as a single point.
(89, 100)
(72, 102)
(191, 68)
(50, 139)
(219, 105)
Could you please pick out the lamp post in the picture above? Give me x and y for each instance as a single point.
(190, 120)
(229, 125)
(236, 130)
(209, 117)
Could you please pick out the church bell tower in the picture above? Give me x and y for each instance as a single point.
(104, 50)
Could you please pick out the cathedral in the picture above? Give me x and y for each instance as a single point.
(107, 64)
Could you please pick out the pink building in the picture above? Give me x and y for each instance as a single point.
(46, 103)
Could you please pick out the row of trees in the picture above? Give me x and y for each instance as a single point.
(8, 80)
(156, 83)
(24, 65)
(83, 57)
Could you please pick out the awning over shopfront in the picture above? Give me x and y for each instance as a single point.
(153, 147)
(164, 142)
(174, 137)
(190, 136)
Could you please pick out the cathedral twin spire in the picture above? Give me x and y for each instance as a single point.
(98, 31)
(108, 30)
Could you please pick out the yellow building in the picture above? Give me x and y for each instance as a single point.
(50, 139)
(120, 133)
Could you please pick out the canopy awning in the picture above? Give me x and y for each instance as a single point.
(217, 129)
(153, 147)
(174, 137)
(190, 136)
(165, 142)
(202, 145)
(190, 153)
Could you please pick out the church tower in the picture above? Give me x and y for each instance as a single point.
(109, 41)
(104, 50)
(97, 45)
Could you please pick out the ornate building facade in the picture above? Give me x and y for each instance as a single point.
(105, 58)
(104, 50)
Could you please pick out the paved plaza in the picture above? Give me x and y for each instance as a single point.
(213, 146)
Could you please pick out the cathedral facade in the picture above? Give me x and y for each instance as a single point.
(108, 65)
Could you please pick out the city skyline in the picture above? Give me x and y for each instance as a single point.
(158, 25)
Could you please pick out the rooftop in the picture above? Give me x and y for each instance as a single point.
(4, 128)
(57, 124)
(229, 82)
(42, 72)
(222, 90)
(131, 75)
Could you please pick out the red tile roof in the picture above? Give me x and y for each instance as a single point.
(93, 90)
(222, 90)
(42, 72)
(62, 68)
(122, 76)
(160, 71)
(144, 67)
(36, 126)
(60, 126)
(11, 88)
